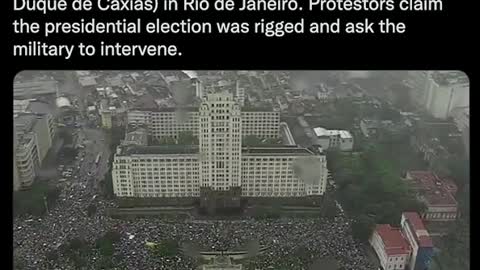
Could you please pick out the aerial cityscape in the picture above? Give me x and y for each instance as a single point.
(244, 170)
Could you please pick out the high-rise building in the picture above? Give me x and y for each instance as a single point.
(34, 134)
(418, 82)
(106, 119)
(439, 92)
(219, 162)
(21, 105)
(239, 93)
(220, 141)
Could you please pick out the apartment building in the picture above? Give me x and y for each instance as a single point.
(419, 240)
(439, 91)
(282, 172)
(26, 158)
(391, 247)
(418, 83)
(156, 171)
(219, 162)
(436, 192)
(169, 122)
(334, 139)
(21, 105)
(34, 135)
(165, 122)
(447, 90)
(261, 122)
(180, 171)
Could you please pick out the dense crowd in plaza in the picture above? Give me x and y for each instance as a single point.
(290, 243)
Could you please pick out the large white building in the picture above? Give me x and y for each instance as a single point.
(220, 142)
(439, 91)
(34, 134)
(418, 82)
(20, 106)
(169, 122)
(334, 139)
(461, 117)
(391, 247)
(219, 162)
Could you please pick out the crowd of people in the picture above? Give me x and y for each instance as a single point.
(285, 243)
(290, 243)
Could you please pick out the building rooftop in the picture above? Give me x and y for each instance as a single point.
(428, 179)
(371, 123)
(24, 139)
(257, 109)
(63, 102)
(35, 87)
(190, 73)
(446, 78)
(158, 150)
(87, 81)
(322, 132)
(435, 191)
(276, 150)
(438, 199)
(393, 240)
(166, 109)
(81, 73)
(417, 226)
(21, 102)
(138, 136)
(24, 122)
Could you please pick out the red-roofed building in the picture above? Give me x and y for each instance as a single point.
(437, 194)
(419, 240)
(391, 246)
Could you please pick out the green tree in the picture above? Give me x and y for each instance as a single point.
(455, 248)
(329, 209)
(105, 263)
(372, 178)
(77, 244)
(105, 243)
(115, 136)
(459, 169)
(362, 228)
(34, 200)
